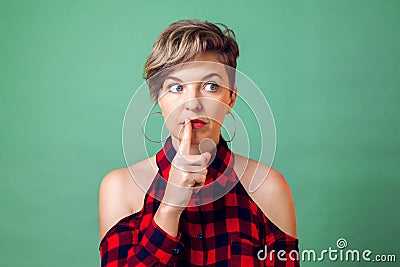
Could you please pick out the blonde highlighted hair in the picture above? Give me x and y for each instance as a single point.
(183, 41)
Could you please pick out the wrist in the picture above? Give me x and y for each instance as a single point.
(169, 210)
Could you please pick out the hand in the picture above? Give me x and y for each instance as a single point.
(187, 171)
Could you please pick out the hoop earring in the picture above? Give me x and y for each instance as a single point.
(143, 125)
(234, 127)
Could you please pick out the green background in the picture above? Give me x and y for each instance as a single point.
(329, 69)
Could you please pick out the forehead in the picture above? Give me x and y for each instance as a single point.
(198, 71)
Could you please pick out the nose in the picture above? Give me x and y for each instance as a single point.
(193, 102)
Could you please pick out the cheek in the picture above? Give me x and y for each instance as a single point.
(171, 123)
(216, 111)
(171, 118)
(167, 107)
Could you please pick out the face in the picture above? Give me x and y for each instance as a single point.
(199, 92)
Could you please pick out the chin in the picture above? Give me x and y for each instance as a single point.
(203, 135)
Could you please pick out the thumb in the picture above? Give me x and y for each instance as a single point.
(207, 156)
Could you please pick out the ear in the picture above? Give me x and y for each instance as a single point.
(233, 95)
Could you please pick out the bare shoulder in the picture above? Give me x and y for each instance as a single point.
(272, 193)
(122, 192)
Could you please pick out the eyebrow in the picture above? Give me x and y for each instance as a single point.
(204, 78)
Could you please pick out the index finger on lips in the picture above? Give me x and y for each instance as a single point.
(184, 146)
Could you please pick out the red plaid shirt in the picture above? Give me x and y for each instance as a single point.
(229, 231)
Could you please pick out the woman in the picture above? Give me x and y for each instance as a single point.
(180, 220)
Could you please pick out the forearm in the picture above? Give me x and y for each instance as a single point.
(152, 246)
(167, 218)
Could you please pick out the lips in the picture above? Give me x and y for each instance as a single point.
(197, 123)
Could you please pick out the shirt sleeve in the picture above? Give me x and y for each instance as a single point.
(282, 250)
(121, 246)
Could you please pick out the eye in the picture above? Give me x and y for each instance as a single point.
(175, 88)
(211, 86)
